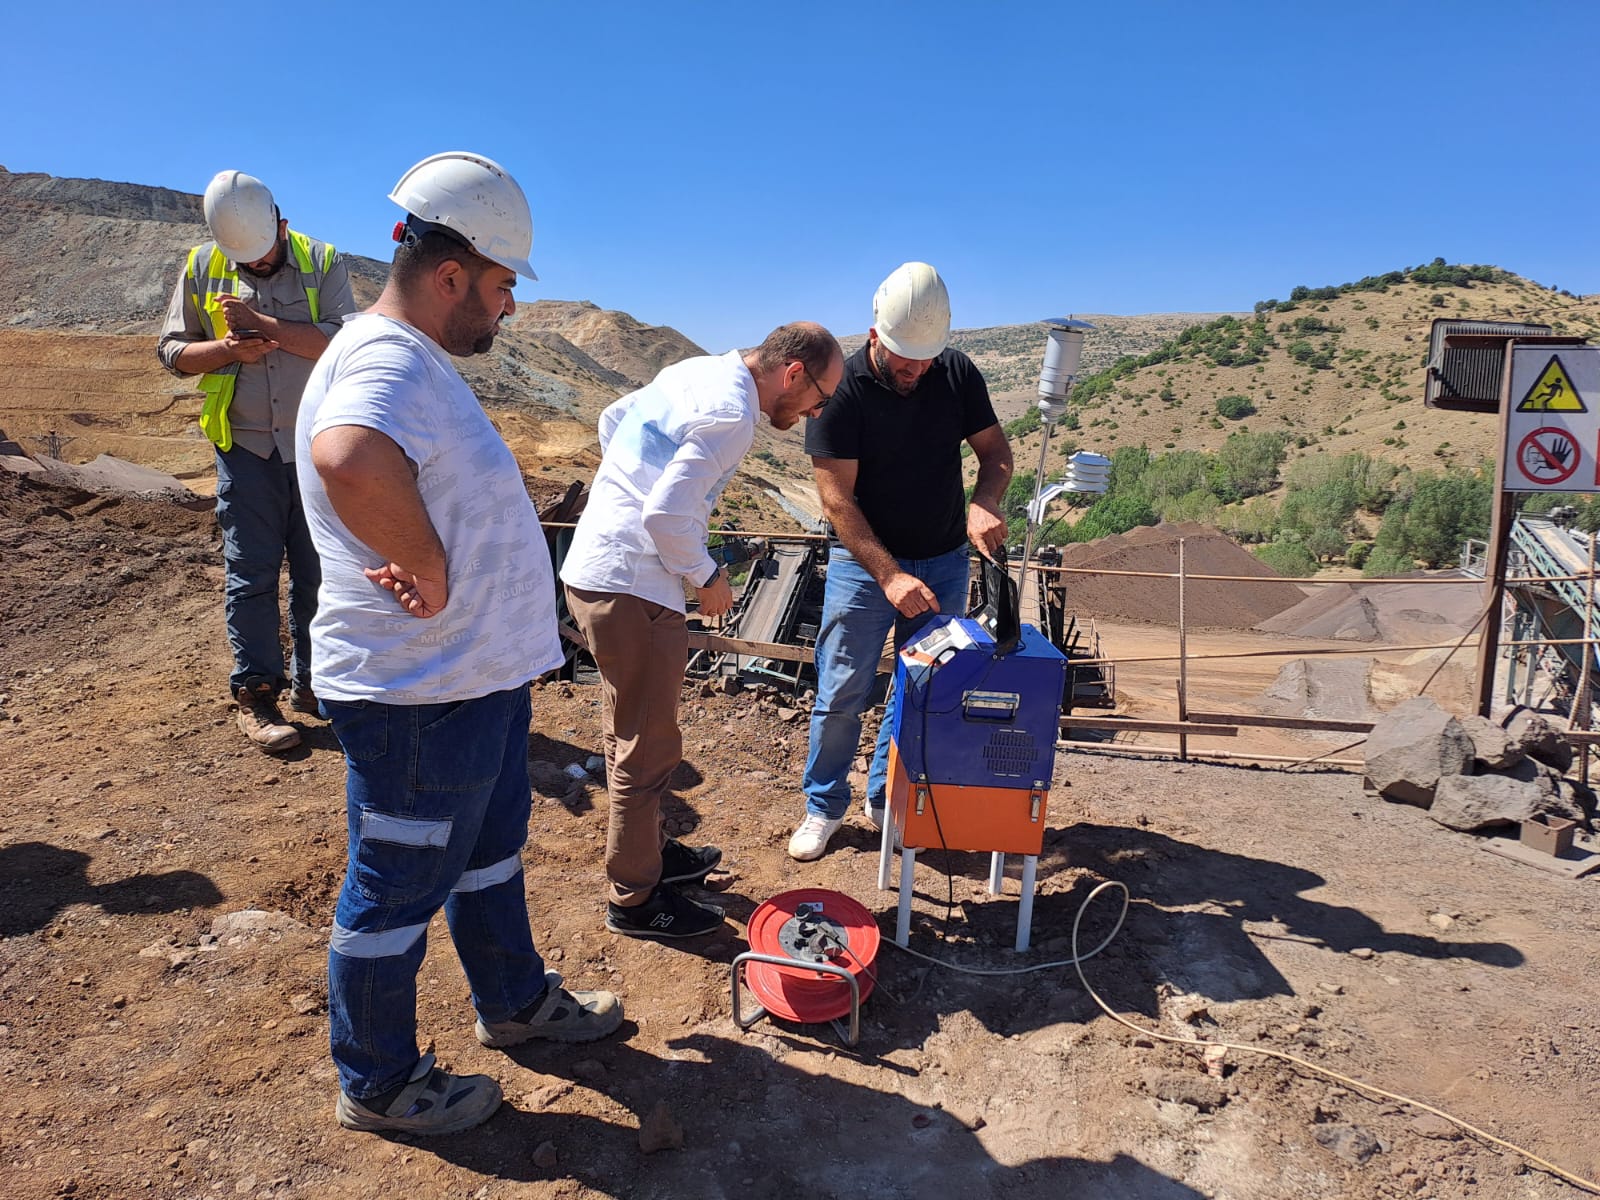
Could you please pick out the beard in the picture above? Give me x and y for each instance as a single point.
(880, 359)
(468, 330)
(279, 255)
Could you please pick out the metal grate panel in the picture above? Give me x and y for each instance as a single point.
(1468, 378)
(1011, 753)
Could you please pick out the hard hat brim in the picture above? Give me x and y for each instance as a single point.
(251, 252)
(918, 351)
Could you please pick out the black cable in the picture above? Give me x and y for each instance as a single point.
(949, 876)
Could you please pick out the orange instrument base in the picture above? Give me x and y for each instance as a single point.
(1003, 820)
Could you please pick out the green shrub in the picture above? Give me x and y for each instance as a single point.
(1289, 559)
(1235, 408)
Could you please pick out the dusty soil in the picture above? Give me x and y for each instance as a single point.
(146, 1055)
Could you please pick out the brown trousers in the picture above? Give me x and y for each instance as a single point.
(641, 649)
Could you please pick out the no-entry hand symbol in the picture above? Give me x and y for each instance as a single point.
(1548, 456)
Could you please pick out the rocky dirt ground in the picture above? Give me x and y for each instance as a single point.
(165, 894)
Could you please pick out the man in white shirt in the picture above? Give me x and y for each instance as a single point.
(669, 449)
(437, 608)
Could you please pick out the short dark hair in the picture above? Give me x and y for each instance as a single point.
(417, 257)
(804, 342)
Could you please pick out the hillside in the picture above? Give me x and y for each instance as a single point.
(1338, 373)
(1338, 369)
(77, 346)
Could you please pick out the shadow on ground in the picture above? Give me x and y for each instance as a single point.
(757, 1128)
(38, 880)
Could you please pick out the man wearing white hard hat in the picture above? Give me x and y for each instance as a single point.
(438, 609)
(251, 313)
(887, 458)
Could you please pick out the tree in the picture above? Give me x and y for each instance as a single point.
(1247, 464)
(1253, 521)
(1174, 474)
(1287, 558)
(1429, 519)
(1235, 408)
(1113, 514)
(1128, 463)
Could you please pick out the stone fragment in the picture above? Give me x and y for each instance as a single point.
(1412, 747)
(545, 1157)
(660, 1130)
(1429, 1126)
(1473, 802)
(1537, 738)
(247, 921)
(1188, 1008)
(1349, 1142)
(1491, 745)
(1198, 1091)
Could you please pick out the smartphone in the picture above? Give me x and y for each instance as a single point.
(248, 334)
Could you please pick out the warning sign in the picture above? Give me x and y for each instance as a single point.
(1553, 391)
(1551, 420)
(1548, 456)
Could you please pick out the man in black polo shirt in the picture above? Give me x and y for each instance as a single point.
(887, 456)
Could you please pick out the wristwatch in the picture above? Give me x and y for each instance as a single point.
(710, 579)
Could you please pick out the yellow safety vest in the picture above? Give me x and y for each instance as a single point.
(221, 279)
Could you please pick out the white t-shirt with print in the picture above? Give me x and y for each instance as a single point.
(498, 629)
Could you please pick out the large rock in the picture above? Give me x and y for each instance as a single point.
(1537, 738)
(1491, 745)
(1473, 802)
(1412, 747)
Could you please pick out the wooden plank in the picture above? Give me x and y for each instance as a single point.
(1133, 725)
(727, 645)
(1283, 722)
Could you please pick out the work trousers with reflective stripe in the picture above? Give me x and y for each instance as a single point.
(641, 649)
(437, 800)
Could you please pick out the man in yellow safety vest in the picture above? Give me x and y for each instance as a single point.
(252, 311)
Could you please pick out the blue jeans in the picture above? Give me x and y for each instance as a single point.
(856, 617)
(258, 509)
(437, 800)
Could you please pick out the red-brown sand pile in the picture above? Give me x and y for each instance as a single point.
(1211, 604)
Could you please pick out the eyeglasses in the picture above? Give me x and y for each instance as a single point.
(826, 396)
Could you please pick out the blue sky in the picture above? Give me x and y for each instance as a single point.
(724, 167)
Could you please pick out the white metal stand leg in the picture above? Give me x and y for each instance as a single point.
(997, 873)
(884, 848)
(1030, 869)
(902, 923)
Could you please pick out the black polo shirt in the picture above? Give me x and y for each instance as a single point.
(907, 449)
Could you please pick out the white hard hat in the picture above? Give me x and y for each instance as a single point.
(474, 197)
(241, 216)
(911, 311)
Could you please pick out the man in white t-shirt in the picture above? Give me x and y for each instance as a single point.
(437, 608)
(669, 449)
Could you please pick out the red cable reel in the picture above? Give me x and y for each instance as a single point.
(832, 942)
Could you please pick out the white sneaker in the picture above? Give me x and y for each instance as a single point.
(811, 839)
(874, 814)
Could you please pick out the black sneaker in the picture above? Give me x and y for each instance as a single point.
(667, 914)
(683, 864)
